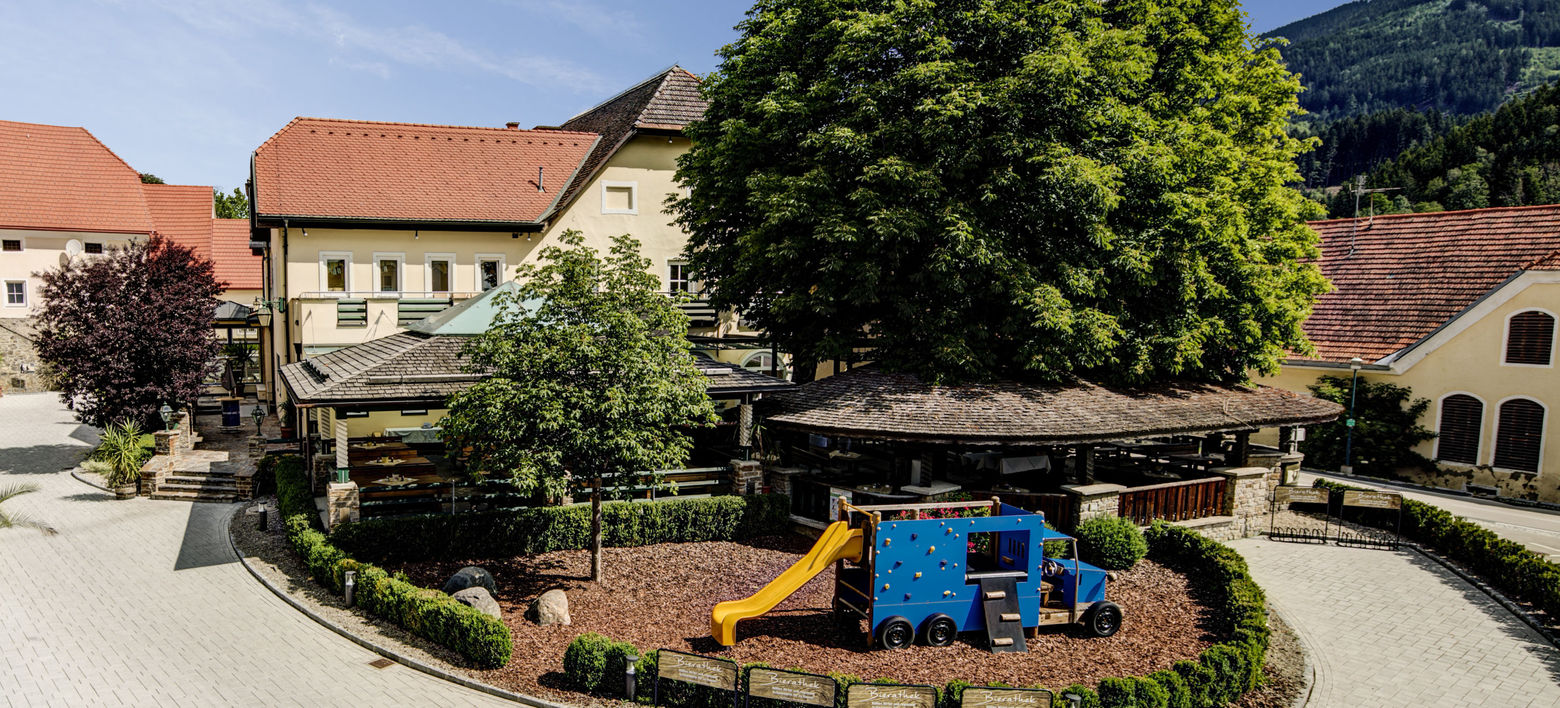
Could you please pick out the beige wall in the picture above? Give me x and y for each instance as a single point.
(41, 251)
(1466, 358)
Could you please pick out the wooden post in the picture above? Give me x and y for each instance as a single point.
(1241, 451)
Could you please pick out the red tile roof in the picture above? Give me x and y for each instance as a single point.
(319, 167)
(61, 178)
(235, 263)
(1411, 273)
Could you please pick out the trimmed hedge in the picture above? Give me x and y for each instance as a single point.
(1503, 563)
(430, 614)
(1111, 542)
(532, 530)
(1221, 674)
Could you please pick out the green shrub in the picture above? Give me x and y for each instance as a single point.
(1117, 692)
(1111, 542)
(1507, 565)
(585, 661)
(120, 447)
(430, 614)
(1090, 698)
(1199, 681)
(1177, 695)
(528, 531)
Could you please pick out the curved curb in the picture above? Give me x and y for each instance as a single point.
(1496, 595)
(75, 473)
(390, 654)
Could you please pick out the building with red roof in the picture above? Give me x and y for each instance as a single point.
(1460, 307)
(64, 194)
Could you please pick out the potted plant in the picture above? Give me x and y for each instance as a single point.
(285, 420)
(121, 448)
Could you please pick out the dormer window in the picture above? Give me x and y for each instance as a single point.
(1530, 338)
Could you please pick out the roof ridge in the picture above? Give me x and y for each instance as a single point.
(435, 125)
(1435, 214)
(659, 75)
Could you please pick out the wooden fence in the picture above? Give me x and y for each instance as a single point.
(1174, 501)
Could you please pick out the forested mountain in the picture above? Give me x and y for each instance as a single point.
(1454, 56)
(1358, 144)
(1510, 157)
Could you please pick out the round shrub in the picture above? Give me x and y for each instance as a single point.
(1112, 543)
(585, 661)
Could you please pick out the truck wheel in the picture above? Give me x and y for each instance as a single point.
(1103, 619)
(895, 633)
(939, 630)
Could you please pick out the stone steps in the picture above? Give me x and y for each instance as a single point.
(193, 495)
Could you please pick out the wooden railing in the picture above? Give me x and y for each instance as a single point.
(1174, 501)
(1057, 508)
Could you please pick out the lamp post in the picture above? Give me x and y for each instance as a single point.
(259, 414)
(167, 414)
(1348, 435)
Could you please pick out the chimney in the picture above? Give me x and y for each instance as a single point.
(512, 125)
(539, 183)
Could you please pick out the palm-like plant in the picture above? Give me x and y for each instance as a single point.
(121, 448)
(16, 520)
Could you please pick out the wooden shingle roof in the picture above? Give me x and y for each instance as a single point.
(869, 403)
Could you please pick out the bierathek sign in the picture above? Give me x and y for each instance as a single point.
(1372, 500)
(875, 695)
(692, 668)
(1300, 495)
(983, 697)
(793, 686)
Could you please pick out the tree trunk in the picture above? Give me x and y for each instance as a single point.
(595, 531)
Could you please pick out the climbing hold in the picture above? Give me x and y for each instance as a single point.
(918, 574)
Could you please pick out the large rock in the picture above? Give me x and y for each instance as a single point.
(481, 600)
(470, 577)
(551, 608)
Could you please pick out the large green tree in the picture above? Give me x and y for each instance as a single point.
(230, 206)
(1005, 188)
(591, 378)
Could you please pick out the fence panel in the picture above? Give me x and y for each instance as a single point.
(1174, 501)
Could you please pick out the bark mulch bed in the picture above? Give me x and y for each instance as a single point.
(660, 597)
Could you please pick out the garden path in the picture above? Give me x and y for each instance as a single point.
(1393, 628)
(142, 602)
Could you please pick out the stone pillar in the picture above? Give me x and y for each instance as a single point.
(167, 442)
(323, 470)
(184, 424)
(780, 479)
(1245, 495)
(747, 476)
(1092, 500)
(341, 503)
(149, 472)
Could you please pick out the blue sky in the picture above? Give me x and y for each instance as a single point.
(187, 89)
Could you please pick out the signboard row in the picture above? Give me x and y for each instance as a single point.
(818, 690)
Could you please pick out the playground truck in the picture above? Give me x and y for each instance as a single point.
(932, 578)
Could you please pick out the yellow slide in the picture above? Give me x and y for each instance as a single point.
(839, 541)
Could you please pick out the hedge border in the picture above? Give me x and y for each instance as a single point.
(1505, 564)
(428, 613)
(1222, 673)
(532, 530)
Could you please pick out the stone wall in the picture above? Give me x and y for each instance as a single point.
(1092, 500)
(747, 476)
(1246, 493)
(20, 369)
(1519, 485)
(341, 503)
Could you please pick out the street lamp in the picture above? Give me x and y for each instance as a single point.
(1348, 439)
(167, 414)
(259, 414)
(264, 309)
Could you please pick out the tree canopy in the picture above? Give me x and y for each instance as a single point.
(1005, 188)
(230, 206)
(127, 332)
(590, 377)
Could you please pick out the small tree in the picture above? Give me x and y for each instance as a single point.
(591, 377)
(1386, 428)
(128, 332)
(230, 206)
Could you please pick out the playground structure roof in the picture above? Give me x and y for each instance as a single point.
(872, 404)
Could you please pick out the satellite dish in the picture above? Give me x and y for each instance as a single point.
(73, 248)
(64, 260)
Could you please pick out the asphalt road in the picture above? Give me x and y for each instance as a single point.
(1538, 529)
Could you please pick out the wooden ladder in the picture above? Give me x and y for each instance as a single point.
(1004, 624)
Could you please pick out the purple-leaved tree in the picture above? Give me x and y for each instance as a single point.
(129, 331)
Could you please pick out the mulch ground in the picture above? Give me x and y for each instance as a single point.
(660, 597)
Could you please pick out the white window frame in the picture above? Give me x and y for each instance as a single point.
(400, 272)
(18, 237)
(481, 258)
(1478, 452)
(1505, 338)
(671, 282)
(7, 293)
(633, 196)
(1543, 435)
(346, 271)
(449, 271)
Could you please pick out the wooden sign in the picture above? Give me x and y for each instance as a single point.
(793, 686)
(1372, 500)
(692, 668)
(874, 695)
(1300, 495)
(983, 697)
